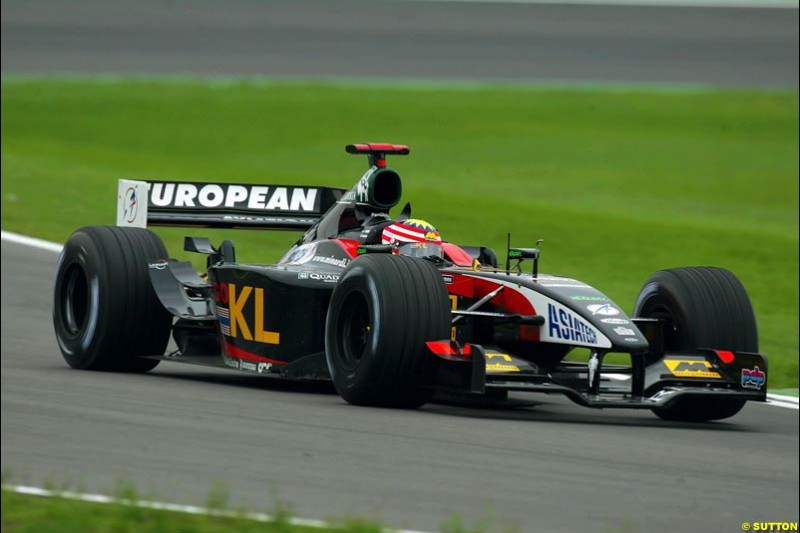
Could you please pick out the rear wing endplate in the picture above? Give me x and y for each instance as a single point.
(222, 205)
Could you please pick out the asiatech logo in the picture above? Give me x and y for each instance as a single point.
(566, 326)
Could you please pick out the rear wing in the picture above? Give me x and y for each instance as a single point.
(222, 205)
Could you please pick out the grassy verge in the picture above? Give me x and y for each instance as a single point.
(29, 514)
(619, 183)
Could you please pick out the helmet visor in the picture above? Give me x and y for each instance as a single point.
(421, 249)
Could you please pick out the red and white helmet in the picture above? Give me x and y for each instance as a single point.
(411, 230)
(413, 237)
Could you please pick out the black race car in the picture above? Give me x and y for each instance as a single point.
(387, 310)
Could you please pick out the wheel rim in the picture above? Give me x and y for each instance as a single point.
(354, 329)
(74, 300)
(674, 338)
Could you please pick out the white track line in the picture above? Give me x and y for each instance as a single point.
(785, 405)
(31, 241)
(174, 507)
(777, 400)
(751, 4)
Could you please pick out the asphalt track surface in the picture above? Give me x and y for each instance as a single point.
(549, 467)
(394, 39)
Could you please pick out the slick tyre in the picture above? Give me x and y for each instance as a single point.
(383, 310)
(706, 308)
(105, 312)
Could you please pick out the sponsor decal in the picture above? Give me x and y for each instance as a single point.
(447, 279)
(318, 276)
(161, 265)
(300, 254)
(565, 285)
(224, 318)
(555, 281)
(231, 300)
(264, 220)
(331, 261)
(615, 321)
(631, 339)
(603, 309)
(500, 367)
(624, 331)
(131, 205)
(585, 298)
(453, 305)
(227, 196)
(362, 188)
(564, 325)
(753, 379)
(247, 365)
(691, 368)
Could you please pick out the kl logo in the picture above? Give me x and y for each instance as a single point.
(236, 299)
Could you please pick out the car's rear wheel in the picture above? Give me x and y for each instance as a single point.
(703, 307)
(383, 310)
(105, 312)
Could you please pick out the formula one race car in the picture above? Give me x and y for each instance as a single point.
(387, 310)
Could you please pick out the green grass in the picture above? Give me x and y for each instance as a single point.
(35, 514)
(619, 182)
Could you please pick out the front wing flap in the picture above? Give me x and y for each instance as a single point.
(649, 383)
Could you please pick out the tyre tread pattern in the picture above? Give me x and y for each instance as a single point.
(711, 309)
(131, 321)
(414, 307)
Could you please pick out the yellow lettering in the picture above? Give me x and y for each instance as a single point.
(688, 368)
(500, 367)
(453, 305)
(673, 364)
(269, 337)
(504, 356)
(236, 306)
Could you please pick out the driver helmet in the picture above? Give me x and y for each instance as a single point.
(414, 237)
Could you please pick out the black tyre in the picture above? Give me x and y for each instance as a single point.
(105, 312)
(383, 310)
(708, 308)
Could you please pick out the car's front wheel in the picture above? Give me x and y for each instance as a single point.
(383, 310)
(703, 307)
